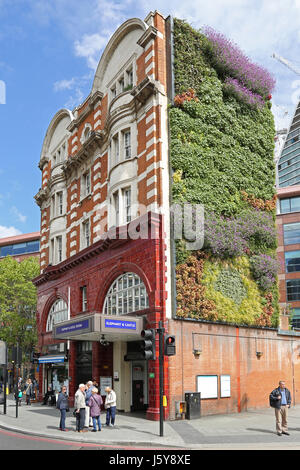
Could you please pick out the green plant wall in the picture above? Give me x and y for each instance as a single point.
(221, 148)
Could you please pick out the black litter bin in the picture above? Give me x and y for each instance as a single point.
(193, 405)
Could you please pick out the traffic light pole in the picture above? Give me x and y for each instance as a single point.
(161, 331)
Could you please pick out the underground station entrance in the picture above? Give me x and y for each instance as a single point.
(129, 374)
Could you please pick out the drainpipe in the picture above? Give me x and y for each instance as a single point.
(238, 369)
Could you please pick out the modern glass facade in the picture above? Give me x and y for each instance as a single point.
(292, 261)
(296, 317)
(290, 204)
(289, 162)
(20, 248)
(291, 233)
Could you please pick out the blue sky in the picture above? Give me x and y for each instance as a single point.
(49, 50)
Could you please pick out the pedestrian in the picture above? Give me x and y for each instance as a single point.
(110, 406)
(95, 403)
(28, 392)
(62, 405)
(89, 388)
(80, 407)
(18, 394)
(280, 400)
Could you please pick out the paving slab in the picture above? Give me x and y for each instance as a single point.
(248, 430)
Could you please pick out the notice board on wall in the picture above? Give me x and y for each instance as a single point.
(105, 382)
(225, 386)
(207, 385)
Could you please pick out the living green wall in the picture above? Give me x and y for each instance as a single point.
(222, 157)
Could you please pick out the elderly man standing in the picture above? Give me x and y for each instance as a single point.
(281, 400)
(80, 406)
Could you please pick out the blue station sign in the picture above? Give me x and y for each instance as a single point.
(120, 324)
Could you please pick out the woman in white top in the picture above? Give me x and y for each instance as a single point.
(111, 406)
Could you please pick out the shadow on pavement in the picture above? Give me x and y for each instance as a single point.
(266, 431)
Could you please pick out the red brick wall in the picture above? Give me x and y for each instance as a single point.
(229, 350)
(144, 257)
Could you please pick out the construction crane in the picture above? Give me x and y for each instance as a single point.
(287, 63)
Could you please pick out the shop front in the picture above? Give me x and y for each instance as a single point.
(55, 367)
(99, 351)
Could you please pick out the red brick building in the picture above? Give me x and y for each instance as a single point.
(106, 255)
(105, 171)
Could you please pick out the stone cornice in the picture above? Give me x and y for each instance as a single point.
(94, 141)
(149, 34)
(143, 90)
(42, 196)
(43, 161)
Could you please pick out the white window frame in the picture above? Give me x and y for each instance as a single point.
(86, 186)
(127, 144)
(57, 314)
(86, 233)
(127, 294)
(129, 77)
(126, 196)
(59, 248)
(84, 298)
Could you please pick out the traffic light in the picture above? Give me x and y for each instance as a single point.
(34, 357)
(148, 344)
(170, 348)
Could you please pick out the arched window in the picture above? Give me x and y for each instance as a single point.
(127, 294)
(57, 314)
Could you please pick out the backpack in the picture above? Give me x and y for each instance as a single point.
(272, 399)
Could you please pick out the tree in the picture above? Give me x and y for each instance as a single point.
(18, 299)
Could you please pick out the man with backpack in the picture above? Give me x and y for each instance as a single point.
(280, 400)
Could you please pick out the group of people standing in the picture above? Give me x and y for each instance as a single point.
(28, 390)
(88, 403)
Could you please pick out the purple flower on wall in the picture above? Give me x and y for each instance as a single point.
(264, 270)
(242, 93)
(230, 237)
(230, 61)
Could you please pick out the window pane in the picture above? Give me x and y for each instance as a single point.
(6, 250)
(295, 204)
(285, 206)
(292, 261)
(127, 294)
(291, 233)
(293, 290)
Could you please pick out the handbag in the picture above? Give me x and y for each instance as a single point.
(75, 413)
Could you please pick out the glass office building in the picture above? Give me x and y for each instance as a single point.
(289, 162)
(20, 246)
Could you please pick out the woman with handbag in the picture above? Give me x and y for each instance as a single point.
(63, 406)
(95, 403)
(28, 392)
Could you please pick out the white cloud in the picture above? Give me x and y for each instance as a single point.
(19, 216)
(90, 47)
(8, 231)
(64, 84)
